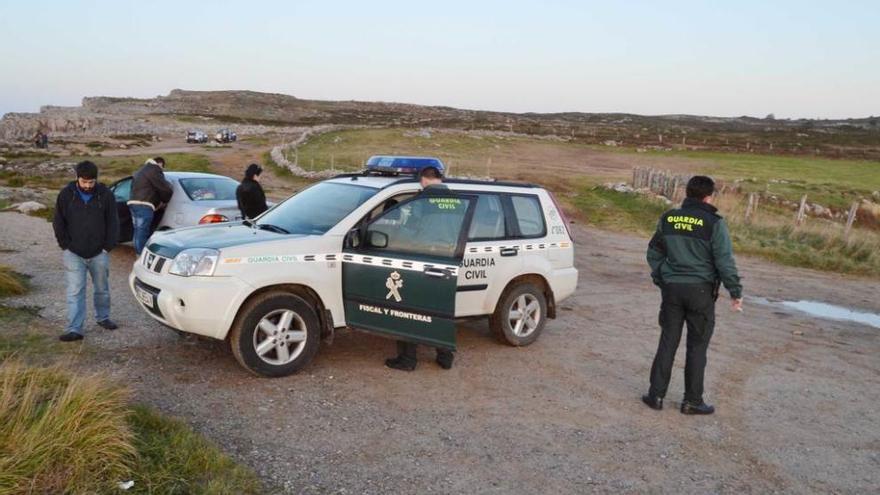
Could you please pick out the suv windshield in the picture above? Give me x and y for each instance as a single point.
(209, 189)
(315, 210)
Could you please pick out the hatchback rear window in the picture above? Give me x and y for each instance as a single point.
(209, 189)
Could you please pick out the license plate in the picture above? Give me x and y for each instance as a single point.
(144, 296)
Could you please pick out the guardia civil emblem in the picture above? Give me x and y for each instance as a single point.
(394, 284)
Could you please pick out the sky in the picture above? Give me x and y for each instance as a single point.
(795, 59)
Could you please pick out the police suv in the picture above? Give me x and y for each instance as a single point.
(368, 251)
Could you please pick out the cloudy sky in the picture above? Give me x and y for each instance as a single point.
(791, 58)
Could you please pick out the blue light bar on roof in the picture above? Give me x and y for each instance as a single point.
(404, 164)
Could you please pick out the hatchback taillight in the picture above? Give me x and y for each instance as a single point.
(213, 218)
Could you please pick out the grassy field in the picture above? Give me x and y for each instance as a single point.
(576, 171)
(833, 183)
(348, 150)
(68, 432)
(819, 244)
(110, 169)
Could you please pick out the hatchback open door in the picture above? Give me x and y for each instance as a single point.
(399, 272)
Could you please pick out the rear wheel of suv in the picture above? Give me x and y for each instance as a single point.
(276, 334)
(520, 315)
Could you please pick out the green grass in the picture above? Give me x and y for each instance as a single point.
(834, 183)
(772, 237)
(789, 246)
(278, 170)
(349, 149)
(172, 459)
(27, 155)
(622, 212)
(61, 433)
(112, 168)
(19, 339)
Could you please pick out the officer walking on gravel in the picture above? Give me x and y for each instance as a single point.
(690, 255)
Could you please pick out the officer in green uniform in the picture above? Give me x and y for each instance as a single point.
(690, 256)
(431, 181)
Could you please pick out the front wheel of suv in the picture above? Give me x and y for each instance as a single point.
(276, 334)
(520, 315)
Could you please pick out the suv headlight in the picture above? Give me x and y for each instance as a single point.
(198, 261)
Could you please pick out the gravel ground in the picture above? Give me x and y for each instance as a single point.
(797, 397)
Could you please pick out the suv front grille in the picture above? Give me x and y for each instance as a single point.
(153, 261)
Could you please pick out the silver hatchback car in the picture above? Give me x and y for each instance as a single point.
(198, 199)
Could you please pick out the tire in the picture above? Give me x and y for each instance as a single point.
(251, 330)
(526, 330)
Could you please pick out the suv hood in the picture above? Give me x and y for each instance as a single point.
(169, 244)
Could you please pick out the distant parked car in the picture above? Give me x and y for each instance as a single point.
(225, 136)
(196, 136)
(198, 198)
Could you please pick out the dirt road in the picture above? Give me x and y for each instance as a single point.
(797, 397)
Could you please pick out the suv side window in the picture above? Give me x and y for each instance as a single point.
(529, 215)
(425, 225)
(488, 223)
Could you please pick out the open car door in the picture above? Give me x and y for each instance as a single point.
(122, 192)
(399, 272)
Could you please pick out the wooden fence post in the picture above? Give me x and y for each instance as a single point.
(802, 211)
(849, 220)
(752, 207)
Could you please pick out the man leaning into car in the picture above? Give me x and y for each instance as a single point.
(149, 192)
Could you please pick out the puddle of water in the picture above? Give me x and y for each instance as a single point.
(825, 310)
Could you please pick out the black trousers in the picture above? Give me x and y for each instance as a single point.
(406, 351)
(693, 304)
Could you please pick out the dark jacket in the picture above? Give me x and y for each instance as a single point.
(149, 187)
(86, 228)
(251, 198)
(692, 245)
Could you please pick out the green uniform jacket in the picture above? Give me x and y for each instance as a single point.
(692, 245)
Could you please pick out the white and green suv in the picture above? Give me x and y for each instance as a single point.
(373, 253)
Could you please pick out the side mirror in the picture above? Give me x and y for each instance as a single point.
(378, 239)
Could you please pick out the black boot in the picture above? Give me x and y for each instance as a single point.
(445, 358)
(70, 336)
(406, 357)
(653, 401)
(688, 407)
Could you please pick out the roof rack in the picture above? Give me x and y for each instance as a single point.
(402, 179)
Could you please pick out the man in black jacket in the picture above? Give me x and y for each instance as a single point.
(149, 192)
(690, 255)
(250, 195)
(86, 228)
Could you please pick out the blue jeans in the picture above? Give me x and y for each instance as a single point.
(141, 222)
(75, 269)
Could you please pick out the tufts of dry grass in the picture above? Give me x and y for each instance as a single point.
(11, 283)
(61, 434)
